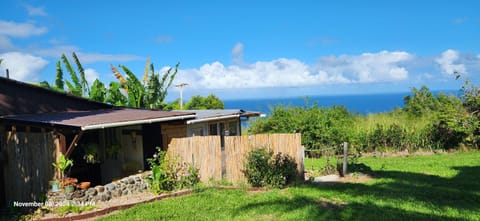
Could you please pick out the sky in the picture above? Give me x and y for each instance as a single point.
(250, 49)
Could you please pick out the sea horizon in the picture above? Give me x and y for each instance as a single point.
(371, 103)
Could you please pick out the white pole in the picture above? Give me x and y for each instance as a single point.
(345, 154)
(181, 93)
(181, 98)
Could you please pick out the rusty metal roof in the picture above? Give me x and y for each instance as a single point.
(23, 98)
(97, 119)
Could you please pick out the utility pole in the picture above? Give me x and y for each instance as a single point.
(181, 86)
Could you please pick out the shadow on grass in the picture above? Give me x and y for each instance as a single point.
(440, 195)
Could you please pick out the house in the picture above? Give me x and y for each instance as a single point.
(207, 123)
(105, 142)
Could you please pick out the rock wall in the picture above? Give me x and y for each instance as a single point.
(129, 185)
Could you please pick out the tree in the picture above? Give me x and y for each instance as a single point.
(422, 102)
(98, 91)
(78, 87)
(59, 77)
(204, 103)
(133, 87)
(174, 105)
(213, 102)
(44, 84)
(114, 96)
(83, 80)
(148, 93)
(319, 126)
(471, 97)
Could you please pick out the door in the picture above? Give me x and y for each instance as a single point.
(152, 138)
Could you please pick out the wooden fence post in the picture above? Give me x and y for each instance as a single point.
(345, 153)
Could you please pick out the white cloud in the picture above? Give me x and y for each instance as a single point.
(35, 11)
(277, 73)
(86, 58)
(23, 67)
(5, 44)
(237, 54)
(56, 51)
(164, 39)
(23, 30)
(383, 66)
(91, 75)
(365, 68)
(448, 63)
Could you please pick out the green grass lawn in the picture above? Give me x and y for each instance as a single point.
(438, 187)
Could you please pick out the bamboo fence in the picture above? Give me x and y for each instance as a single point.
(206, 154)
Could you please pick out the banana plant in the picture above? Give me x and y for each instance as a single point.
(78, 86)
(148, 93)
(62, 164)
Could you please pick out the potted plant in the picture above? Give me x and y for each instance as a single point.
(84, 185)
(69, 184)
(62, 164)
(69, 188)
(54, 184)
(112, 151)
(91, 153)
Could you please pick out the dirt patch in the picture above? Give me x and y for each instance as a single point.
(350, 178)
(404, 153)
(356, 178)
(265, 217)
(330, 204)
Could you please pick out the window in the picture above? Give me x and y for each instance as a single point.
(232, 128)
(213, 129)
(196, 131)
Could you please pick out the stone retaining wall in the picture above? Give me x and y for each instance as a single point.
(128, 185)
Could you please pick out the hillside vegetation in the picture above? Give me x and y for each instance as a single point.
(426, 122)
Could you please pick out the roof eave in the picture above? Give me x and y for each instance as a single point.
(135, 122)
(212, 118)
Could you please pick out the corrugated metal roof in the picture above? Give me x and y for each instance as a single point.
(206, 115)
(95, 119)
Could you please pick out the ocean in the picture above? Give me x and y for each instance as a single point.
(360, 104)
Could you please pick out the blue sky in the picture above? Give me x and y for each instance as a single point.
(251, 49)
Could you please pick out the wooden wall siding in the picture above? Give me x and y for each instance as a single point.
(203, 152)
(170, 131)
(207, 154)
(28, 165)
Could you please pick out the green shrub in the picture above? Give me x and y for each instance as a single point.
(262, 168)
(168, 174)
(256, 167)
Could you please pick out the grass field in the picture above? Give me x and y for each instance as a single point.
(437, 187)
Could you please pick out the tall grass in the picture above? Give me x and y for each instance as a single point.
(370, 121)
(392, 131)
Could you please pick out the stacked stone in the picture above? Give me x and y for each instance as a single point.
(128, 185)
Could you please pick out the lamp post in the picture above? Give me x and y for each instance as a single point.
(181, 86)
